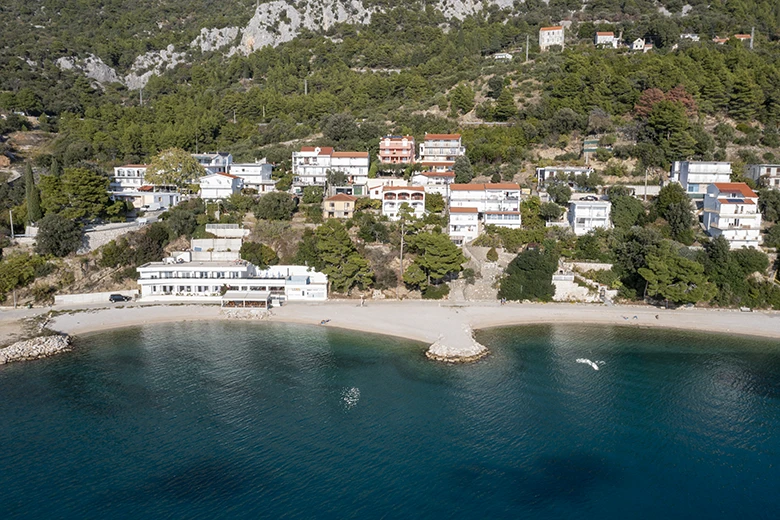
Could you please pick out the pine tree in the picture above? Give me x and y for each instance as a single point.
(32, 196)
(505, 106)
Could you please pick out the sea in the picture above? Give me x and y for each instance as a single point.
(267, 420)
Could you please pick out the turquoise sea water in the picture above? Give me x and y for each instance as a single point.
(242, 420)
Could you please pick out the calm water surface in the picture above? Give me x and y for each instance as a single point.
(242, 420)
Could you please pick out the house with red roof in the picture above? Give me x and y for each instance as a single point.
(731, 211)
(310, 167)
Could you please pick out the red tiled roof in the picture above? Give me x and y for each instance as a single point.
(324, 150)
(605, 34)
(228, 175)
(349, 154)
(738, 187)
(467, 187)
(502, 186)
(555, 28)
(341, 197)
(463, 210)
(146, 188)
(442, 136)
(727, 201)
(742, 36)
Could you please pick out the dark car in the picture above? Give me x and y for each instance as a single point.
(119, 298)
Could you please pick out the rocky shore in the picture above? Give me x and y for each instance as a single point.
(457, 348)
(35, 348)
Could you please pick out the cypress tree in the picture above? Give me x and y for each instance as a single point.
(32, 196)
(55, 168)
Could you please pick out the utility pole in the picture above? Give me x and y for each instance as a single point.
(527, 38)
(752, 35)
(234, 116)
(401, 269)
(11, 215)
(263, 112)
(141, 96)
(646, 184)
(305, 87)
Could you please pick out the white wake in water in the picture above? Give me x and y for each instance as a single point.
(594, 364)
(350, 397)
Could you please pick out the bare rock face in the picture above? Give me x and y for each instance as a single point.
(457, 348)
(35, 348)
(273, 23)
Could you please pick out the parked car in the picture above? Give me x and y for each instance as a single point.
(119, 298)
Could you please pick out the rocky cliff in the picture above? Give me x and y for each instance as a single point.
(273, 23)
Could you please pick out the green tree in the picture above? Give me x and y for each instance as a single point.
(626, 211)
(339, 258)
(560, 193)
(174, 167)
(772, 238)
(550, 211)
(676, 279)
(463, 170)
(312, 195)
(462, 99)
(505, 106)
(32, 196)
(434, 202)
(746, 98)
(529, 276)
(275, 206)
(258, 254)
(86, 192)
(674, 206)
(492, 255)
(336, 178)
(769, 204)
(437, 256)
(58, 236)
(18, 270)
(55, 168)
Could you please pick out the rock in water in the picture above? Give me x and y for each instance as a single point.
(35, 348)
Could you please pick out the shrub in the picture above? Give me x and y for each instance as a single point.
(58, 236)
(492, 255)
(436, 292)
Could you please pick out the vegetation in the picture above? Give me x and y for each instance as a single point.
(529, 276)
(58, 236)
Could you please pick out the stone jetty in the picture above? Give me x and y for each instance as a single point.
(35, 348)
(457, 346)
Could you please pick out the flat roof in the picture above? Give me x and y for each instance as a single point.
(442, 136)
(247, 295)
(205, 263)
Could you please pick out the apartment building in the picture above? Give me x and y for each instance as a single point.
(495, 204)
(441, 150)
(550, 36)
(605, 39)
(587, 215)
(394, 197)
(256, 175)
(214, 162)
(767, 175)
(338, 206)
(731, 211)
(435, 181)
(697, 176)
(310, 166)
(396, 149)
(464, 225)
(219, 186)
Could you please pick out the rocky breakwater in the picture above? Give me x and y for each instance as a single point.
(457, 346)
(35, 348)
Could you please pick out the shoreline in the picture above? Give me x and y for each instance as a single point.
(431, 323)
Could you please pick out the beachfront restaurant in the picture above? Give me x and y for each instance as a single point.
(247, 299)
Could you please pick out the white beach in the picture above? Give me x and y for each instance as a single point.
(423, 321)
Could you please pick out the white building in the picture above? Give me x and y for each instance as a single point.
(606, 39)
(502, 56)
(439, 151)
(587, 215)
(256, 175)
(219, 186)
(696, 176)
(128, 178)
(214, 162)
(394, 197)
(374, 187)
(464, 225)
(549, 36)
(690, 36)
(547, 173)
(496, 204)
(731, 211)
(765, 175)
(434, 182)
(311, 165)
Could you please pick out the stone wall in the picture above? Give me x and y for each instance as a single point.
(35, 348)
